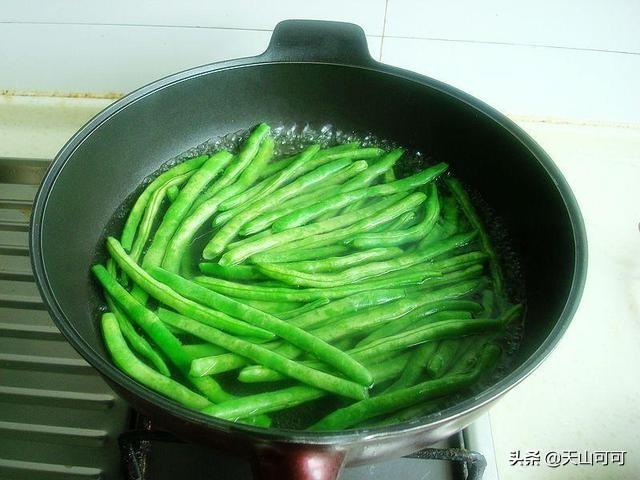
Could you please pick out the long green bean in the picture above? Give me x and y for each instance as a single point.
(179, 209)
(128, 363)
(399, 237)
(183, 236)
(299, 255)
(234, 272)
(169, 297)
(300, 165)
(151, 213)
(285, 330)
(345, 197)
(312, 230)
(435, 331)
(330, 152)
(494, 266)
(137, 341)
(436, 310)
(135, 216)
(264, 220)
(292, 396)
(243, 158)
(329, 264)
(199, 350)
(268, 358)
(393, 401)
(281, 272)
(254, 292)
(220, 240)
(158, 332)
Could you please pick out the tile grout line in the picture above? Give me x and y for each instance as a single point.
(384, 27)
(382, 37)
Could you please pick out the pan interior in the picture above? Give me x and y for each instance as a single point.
(131, 144)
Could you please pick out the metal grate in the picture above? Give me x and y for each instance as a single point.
(58, 419)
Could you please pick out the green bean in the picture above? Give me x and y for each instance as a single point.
(214, 364)
(264, 220)
(381, 369)
(133, 220)
(126, 361)
(240, 290)
(184, 234)
(380, 167)
(404, 220)
(271, 307)
(409, 235)
(169, 297)
(347, 306)
(330, 152)
(285, 238)
(415, 366)
(306, 308)
(150, 214)
(299, 166)
(289, 397)
(389, 176)
(434, 331)
(446, 354)
(389, 402)
(406, 204)
(172, 193)
(178, 209)
(340, 263)
(447, 225)
(281, 272)
(409, 413)
(264, 402)
(157, 331)
(243, 158)
(494, 266)
(296, 336)
(137, 341)
(244, 241)
(266, 357)
(344, 197)
(350, 325)
(366, 319)
(220, 240)
(234, 272)
(286, 275)
(299, 255)
(432, 310)
(311, 192)
(199, 350)
(343, 307)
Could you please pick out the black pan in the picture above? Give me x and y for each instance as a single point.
(312, 73)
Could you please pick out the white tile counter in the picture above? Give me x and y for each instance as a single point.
(586, 395)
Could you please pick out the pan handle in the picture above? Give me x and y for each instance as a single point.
(297, 463)
(318, 41)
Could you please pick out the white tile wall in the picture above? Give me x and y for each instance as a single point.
(568, 59)
(538, 81)
(242, 14)
(603, 25)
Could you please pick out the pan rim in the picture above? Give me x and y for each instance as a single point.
(427, 422)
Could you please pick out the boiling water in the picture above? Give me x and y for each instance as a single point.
(291, 139)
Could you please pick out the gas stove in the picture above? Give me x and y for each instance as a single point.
(59, 420)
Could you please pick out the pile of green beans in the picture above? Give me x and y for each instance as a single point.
(244, 285)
